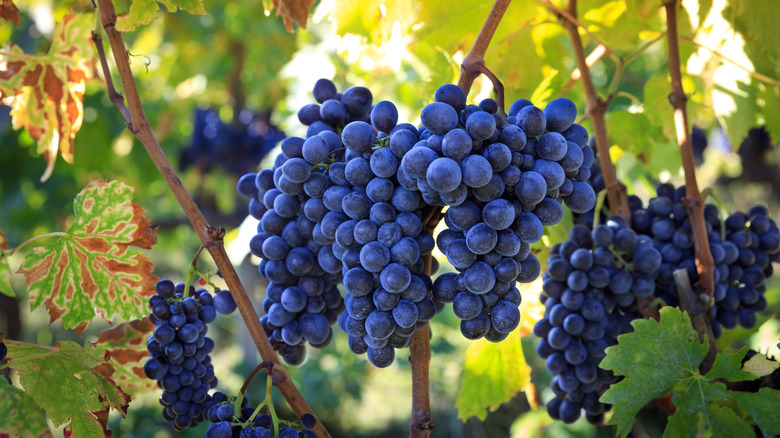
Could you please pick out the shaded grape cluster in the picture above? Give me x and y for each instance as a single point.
(179, 350)
(236, 147)
(228, 423)
(742, 247)
(589, 293)
(753, 242)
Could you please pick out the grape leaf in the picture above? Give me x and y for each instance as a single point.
(93, 267)
(46, 92)
(9, 11)
(63, 381)
(762, 406)
(728, 365)
(654, 358)
(142, 12)
(5, 268)
(493, 373)
(126, 343)
(21, 416)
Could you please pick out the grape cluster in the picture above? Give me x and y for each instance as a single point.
(227, 423)
(589, 293)
(179, 349)
(753, 243)
(742, 259)
(294, 240)
(237, 147)
(503, 180)
(3, 350)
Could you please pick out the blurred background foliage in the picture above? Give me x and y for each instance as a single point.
(218, 90)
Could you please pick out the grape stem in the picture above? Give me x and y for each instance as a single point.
(211, 238)
(597, 107)
(474, 63)
(420, 354)
(192, 269)
(689, 302)
(693, 201)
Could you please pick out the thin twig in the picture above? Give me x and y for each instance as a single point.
(693, 201)
(616, 192)
(264, 364)
(116, 98)
(468, 69)
(498, 87)
(572, 19)
(209, 236)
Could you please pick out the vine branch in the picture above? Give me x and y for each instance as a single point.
(422, 423)
(696, 310)
(596, 109)
(474, 63)
(209, 236)
(693, 201)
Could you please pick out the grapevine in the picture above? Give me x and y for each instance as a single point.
(398, 218)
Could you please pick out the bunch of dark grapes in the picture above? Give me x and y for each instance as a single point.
(179, 349)
(589, 293)
(381, 239)
(237, 147)
(742, 260)
(294, 240)
(503, 179)
(3, 350)
(227, 423)
(752, 244)
(596, 180)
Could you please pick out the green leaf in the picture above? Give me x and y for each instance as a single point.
(126, 344)
(762, 406)
(93, 266)
(631, 132)
(544, 91)
(704, 9)
(728, 365)
(736, 108)
(142, 12)
(657, 109)
(493, 373)
(694, 396)
(21, 416)
(63, 381)
(757, 20)
(654, 358)
(5, 269)
(724, 422)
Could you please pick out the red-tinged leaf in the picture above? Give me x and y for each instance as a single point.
(292, 11)
(5, 268)
(126, 343)
(142, 12)
(9, 11)
(92, 268)
(20, 416)
(64, 382)
(46, 93)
